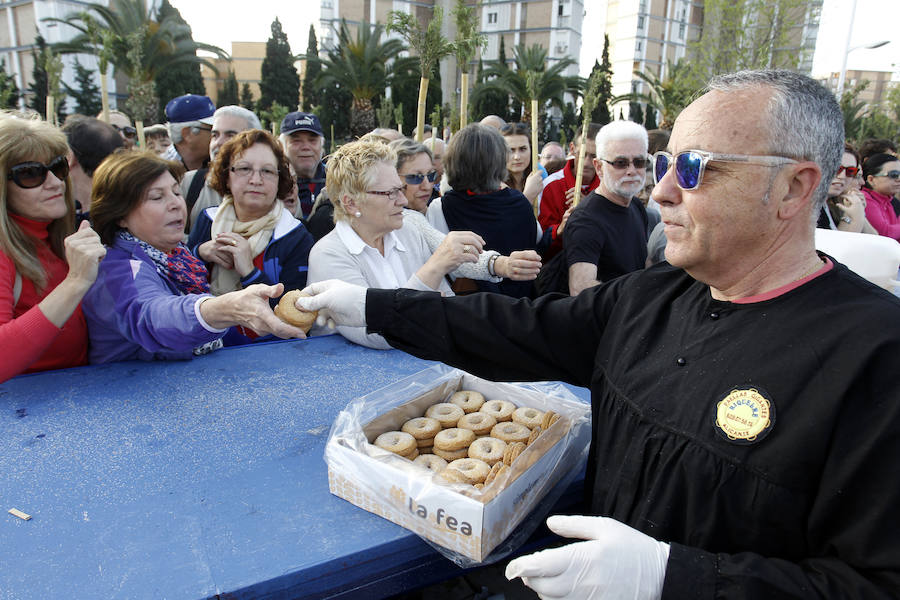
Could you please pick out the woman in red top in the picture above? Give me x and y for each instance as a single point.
(45, 268)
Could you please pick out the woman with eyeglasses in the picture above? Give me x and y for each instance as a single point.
(475, 163)
(46, 267)
(881, 175)
(845, 208)
(491, 265)
(151, 300)
(372, 243)
(251, 237)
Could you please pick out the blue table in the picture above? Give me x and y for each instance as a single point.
(196, 479)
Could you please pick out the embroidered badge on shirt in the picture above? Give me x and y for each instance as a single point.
(745, 415)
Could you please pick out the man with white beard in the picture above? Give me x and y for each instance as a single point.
(606, 236)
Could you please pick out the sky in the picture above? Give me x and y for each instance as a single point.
(875, 20)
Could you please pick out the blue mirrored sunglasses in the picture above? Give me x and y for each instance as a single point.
(691, 164)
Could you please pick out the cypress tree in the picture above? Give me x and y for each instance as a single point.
(9, 91)
(311, 95)
(87, 94)
(247, 97)
(39, 83)
(601, 113)
(229, 93)
(280, 82)
(180, 79)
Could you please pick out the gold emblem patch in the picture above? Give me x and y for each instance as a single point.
(744, 415)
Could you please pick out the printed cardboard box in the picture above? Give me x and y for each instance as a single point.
(458, 518)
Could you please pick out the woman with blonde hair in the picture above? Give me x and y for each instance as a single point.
(371, 243)
(46, 267)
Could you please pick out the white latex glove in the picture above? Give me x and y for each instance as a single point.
(338, 303)
(617, 562)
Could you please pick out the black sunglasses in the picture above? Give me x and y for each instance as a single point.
(128, 132)
(32, 174)
(417, 178)
(622, 162)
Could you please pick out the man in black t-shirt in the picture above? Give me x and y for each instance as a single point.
(606, 236)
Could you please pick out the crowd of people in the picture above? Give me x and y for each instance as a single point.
(111, 252)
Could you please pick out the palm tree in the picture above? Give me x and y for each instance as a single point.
(360, 66)
(468, 42)
(135, 41)
(429, 44)
(548, 83)
(669, 96)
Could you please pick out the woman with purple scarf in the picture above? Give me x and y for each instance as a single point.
(151, 299)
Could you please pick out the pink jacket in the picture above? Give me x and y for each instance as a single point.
(881, 214)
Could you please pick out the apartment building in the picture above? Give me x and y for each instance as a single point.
(880, 83)
(553, 24)
(646, 35)
(246, 60)
(20, 23)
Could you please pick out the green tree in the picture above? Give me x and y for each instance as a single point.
(230, 94)
(280, 81)
(854, 110)
(487, 101)
(601, 113)
(385, 113)
(359, 65)
(468, 42)
(180, 78)
(429, 44)
(332, 111)
(41, 80)
(9, 91)
(247, 97)
(569, 123)
(650, 119)
(635, 112)
(668, 96)
(271, 117)
(748, 34)
(311, 96)
(87, 93)
(405, 82)
(138, 42)
(548, 83)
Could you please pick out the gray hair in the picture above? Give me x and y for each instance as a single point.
(617, 131)
(476, 159)
(804, 120)
(430, 143)
(175, 129)
(241, 113)
(407, 150)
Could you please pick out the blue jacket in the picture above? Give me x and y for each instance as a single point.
(285, 259)
(135, 312)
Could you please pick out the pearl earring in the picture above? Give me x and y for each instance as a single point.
(357, 214)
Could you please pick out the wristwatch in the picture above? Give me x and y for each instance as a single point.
(846, 219)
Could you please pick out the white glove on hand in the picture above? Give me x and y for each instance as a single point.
(617, 562)
(338, 303)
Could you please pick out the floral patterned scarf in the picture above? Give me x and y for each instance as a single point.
(182, 268)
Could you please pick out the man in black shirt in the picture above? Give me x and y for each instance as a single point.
(745, 399)
(606, 236)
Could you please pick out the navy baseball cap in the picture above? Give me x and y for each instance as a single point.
(301, 121)
(190, 107)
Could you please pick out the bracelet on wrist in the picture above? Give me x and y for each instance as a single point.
(490, 265)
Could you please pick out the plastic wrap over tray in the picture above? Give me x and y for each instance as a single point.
(464, 523)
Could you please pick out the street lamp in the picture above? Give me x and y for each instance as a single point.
(848, 50)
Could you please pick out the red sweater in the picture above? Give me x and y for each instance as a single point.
(28, 341)
(553, 200)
